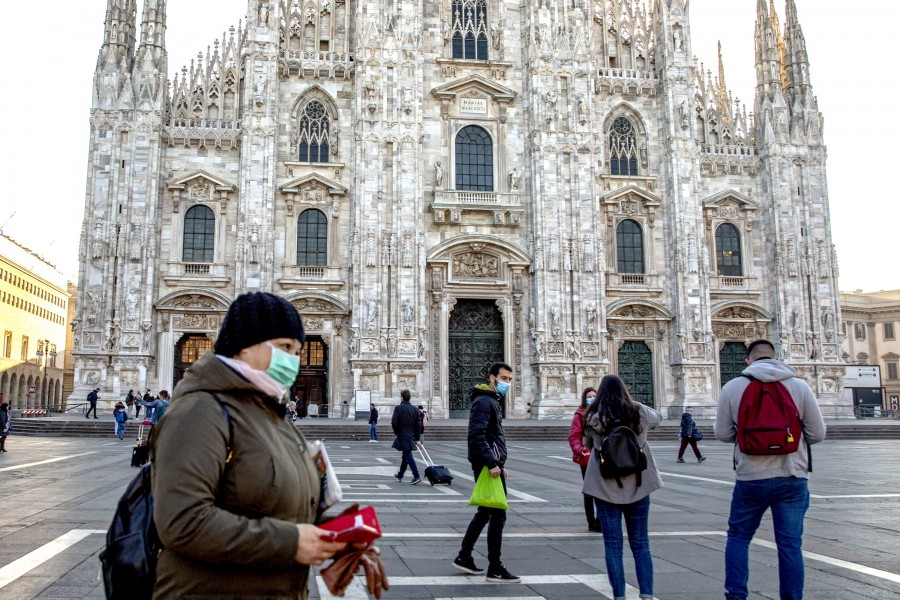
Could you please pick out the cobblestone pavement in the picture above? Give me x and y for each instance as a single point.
(57, 497)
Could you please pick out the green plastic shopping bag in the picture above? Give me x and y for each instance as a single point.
(489, 491)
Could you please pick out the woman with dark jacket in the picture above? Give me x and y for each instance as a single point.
(238, 525)
(580, 454)
(614, 407)
(4, 425)
(689, 435)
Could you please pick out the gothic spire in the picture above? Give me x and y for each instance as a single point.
(768, 55)
(151, 64)
(119, 25)
(796, 58)
(116, 54)
(153, 24)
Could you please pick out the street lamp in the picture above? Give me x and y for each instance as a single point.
(45, 387)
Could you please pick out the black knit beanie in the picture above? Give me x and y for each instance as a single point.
(254, 318)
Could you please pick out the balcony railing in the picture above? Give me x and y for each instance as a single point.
(722, 283)
(310, 272)
(451, 206)
(728, 150)
(196, 269)
(302, 276)
(632, 280)
(627, 74)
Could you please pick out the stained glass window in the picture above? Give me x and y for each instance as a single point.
(622, 148)
(313, 134)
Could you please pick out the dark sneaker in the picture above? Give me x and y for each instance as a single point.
(499, 574)
(467, 565)
(594, 526)
(681, 460)
(701, 459)
(398, 476)
(415, 480)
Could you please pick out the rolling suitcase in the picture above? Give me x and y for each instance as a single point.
(140, 454)
(435, 474)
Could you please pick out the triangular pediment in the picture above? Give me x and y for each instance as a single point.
(296, 185)
(890, 356)
(723, 197)
(201, 176)
(631, 192)
(498, 92)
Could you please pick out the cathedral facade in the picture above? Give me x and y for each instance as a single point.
(438, 185)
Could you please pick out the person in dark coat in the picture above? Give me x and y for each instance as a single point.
(92, 403)
(373, 423)
(4, 425)
(487, 449)
(405, 423)
(689, 435)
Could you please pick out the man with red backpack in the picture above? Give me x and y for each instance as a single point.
(772, 417)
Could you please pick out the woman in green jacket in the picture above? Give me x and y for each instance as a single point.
(238, 528)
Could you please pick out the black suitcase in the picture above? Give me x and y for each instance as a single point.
(140, 454)
(435, 474)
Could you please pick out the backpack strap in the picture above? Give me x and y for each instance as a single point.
(229, 447)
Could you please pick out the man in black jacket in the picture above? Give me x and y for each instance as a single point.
(405, 423)
(487, 449)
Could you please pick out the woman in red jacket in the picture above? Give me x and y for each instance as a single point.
(581, 455)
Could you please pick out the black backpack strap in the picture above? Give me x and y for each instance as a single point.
(229, 447)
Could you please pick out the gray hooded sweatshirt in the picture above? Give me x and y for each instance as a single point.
(751, 468)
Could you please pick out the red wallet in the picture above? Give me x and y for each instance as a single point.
(359, 527)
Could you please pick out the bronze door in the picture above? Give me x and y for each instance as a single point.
(188, 350)
(476, 342)
(636, 370)
(312, 382)
(731, 361)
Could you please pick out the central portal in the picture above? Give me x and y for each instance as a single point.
(476, 342)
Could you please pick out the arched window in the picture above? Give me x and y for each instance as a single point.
(474, 160)
(199, 235)
(313, 133)
(469, 24)
(728, 251)
(312, 238)
(629, 247)
(622, 148)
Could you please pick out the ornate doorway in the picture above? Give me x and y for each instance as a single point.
(476, 342)
(188, 350)
(311, 386)
(731, 361)
(636, 370)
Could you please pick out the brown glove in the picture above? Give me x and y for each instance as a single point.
(339, 574)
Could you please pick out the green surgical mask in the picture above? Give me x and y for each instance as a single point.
(283, 367)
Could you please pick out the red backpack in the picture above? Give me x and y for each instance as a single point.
(768, 420)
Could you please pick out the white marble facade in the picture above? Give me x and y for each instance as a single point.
(560, 89)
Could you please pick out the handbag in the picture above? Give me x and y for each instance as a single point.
(697, 435)
(489, 491)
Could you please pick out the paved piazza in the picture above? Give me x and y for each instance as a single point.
(57, 498)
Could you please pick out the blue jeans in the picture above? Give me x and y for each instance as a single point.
(408, 460)
(373, 435)
(788, 497)
(120, 430)
(637, 517)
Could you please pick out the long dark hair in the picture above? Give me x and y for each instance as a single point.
(614, 403)
(4, 407)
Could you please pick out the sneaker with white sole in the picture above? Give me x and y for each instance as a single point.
(499, 574)
(467, 565)
(398, 476)
(415, 480)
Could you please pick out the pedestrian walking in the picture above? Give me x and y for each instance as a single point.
(423, 421)
(156, 408)
(627, 496)
(689, 435)
(147, 398)
(373, 424)
(291, 414)
(405, 423)
(487, 448)
(4, 425)
(92, 398)
(242, 529)
(120, 415)
(581, 455)
(776, 482)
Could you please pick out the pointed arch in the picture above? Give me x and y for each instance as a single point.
(314, 92)
(629, 112)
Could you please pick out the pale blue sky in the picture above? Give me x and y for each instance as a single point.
(51, 54)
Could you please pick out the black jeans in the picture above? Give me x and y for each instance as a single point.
(495, 519)
(92, 407)
(588, 500)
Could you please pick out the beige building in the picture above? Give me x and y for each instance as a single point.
(871, 322)
(33, 307)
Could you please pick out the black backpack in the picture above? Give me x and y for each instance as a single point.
(620, 454)
(128, 561)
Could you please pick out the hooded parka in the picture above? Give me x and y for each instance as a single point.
(229, 530)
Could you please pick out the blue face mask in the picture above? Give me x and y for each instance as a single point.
(502, 387)
(283, 367)
(589, 400)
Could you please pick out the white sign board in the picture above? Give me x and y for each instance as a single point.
(363, 399)
(862, 376)
(473, 105)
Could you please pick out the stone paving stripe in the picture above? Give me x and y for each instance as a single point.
(839, 563)
(383, 461)
(36, 558)
(596, 582)
(355, 591)
(695, 478)
(545, 534)
(816, 496)
(493, 598)
(509, 490)
(44, 462)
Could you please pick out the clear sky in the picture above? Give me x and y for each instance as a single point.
(51, 51)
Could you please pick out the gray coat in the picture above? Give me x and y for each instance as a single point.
(608, 489)
(751, 468)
